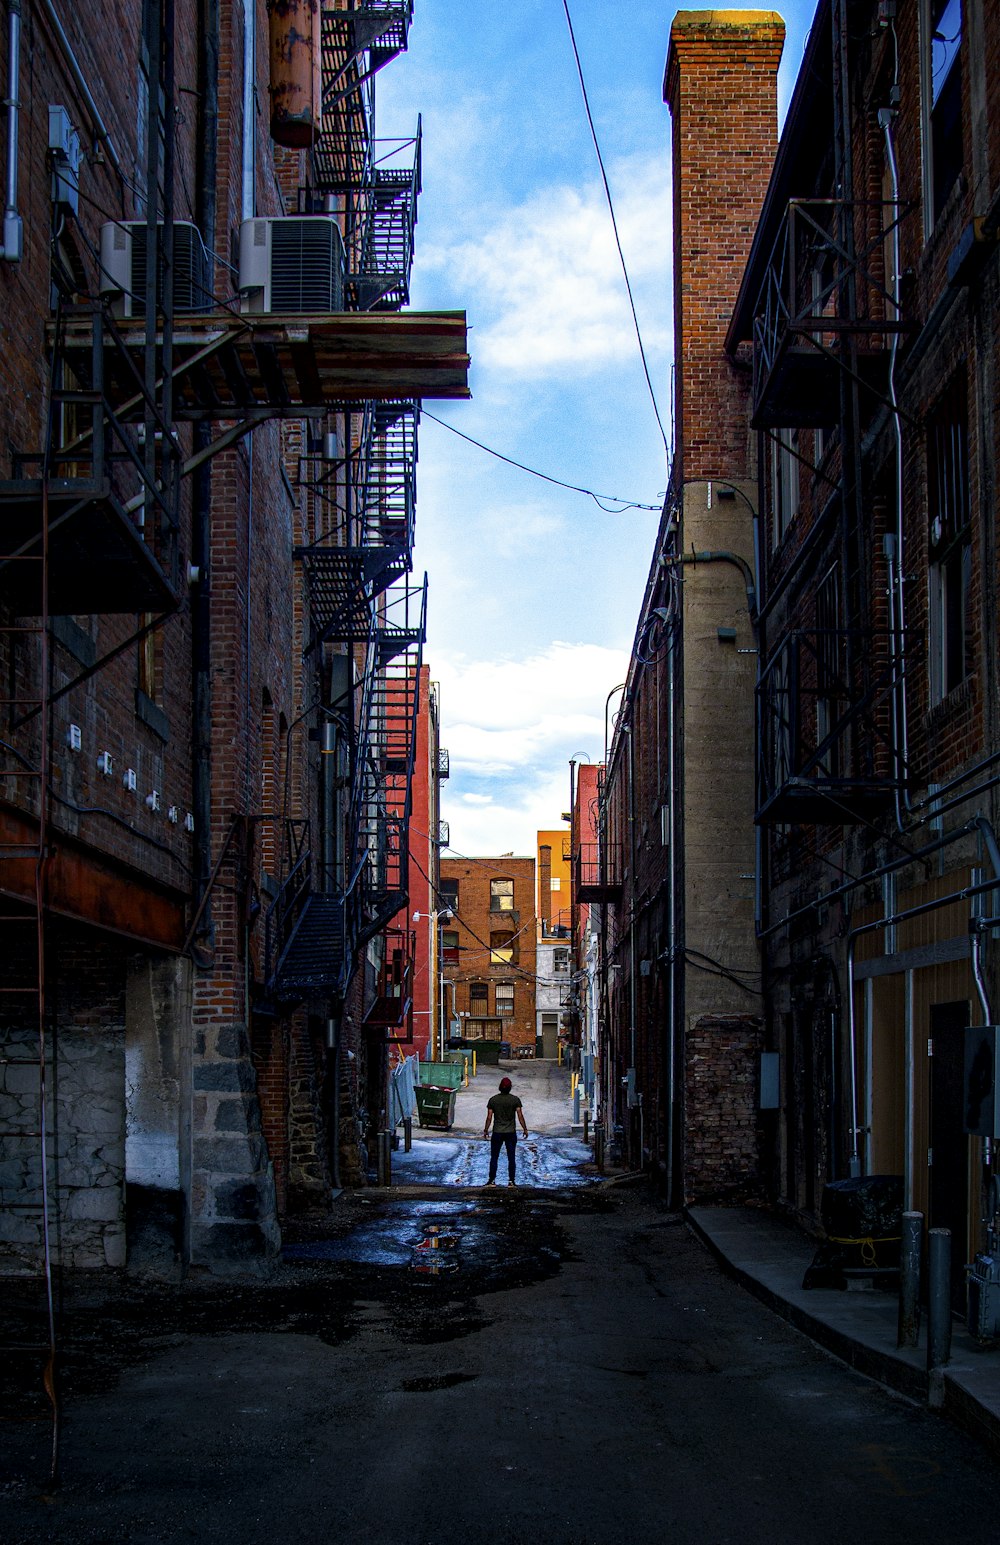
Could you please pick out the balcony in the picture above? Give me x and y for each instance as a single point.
(392, 1009)
(826, 306)
(825, 755)
(598, 874)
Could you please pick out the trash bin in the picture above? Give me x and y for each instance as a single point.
(863, 1220)
(435, 1106)
(504, 1051)
(488, 1052)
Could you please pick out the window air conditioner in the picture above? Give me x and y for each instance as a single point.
(123, 267)
(292, 265)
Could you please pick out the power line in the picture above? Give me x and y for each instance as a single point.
(614, 224)
(626, 504)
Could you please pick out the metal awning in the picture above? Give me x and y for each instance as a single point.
(283, 366)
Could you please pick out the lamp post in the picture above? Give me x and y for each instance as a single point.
(436, 919)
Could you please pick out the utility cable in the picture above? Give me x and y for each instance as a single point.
(626, 504)
(614, 224)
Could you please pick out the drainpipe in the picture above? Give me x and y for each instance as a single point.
(12, 249)
(201, 514)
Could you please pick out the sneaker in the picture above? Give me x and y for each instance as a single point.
(512, 1183)
(489, 1183)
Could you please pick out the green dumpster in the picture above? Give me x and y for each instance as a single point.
(447, 1075)
(435, 1106)
(488, 1052)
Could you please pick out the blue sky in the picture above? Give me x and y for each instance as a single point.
(534, 591)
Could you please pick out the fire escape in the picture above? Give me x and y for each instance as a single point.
(89, 524)
(824, 332)
(367, 621)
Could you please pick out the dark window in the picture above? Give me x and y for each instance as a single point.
(949, 541)
(448, 895)
(945, 72)
(505, 998)
(479, 998)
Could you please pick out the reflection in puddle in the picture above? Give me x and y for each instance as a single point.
(436, 1253)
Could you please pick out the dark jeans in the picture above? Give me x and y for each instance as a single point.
(500, 1140)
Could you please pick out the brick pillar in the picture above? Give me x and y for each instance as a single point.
(720, 86)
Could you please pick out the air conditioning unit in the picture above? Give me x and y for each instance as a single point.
(123, 267)
(292, 265)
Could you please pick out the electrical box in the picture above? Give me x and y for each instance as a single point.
(770, 1080)
(65, 156)
(983, 1317)
(981, 1093)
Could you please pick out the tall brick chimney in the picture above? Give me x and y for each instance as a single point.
(720, 85)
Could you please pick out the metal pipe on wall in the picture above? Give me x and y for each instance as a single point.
(12, 249)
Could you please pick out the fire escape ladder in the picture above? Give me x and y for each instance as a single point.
(827, 283)
(384, 220)
(825, 750)
(381, 791)
(359, 557)
(357, 42)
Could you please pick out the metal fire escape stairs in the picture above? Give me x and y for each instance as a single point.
(364, 615)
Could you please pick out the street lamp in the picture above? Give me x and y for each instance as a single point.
(436, 919)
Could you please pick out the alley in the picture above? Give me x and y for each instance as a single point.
(582, 1374)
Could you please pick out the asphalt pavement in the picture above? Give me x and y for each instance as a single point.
(443, 1364)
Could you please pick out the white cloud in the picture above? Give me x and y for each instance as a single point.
(543, 282)
(511, 726)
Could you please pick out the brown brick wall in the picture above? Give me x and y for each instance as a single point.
(475, 924)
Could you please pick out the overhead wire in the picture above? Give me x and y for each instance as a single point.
(614, 225)
(619, 499)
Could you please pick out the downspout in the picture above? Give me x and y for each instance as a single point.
(895, 547)
(201, 513)
(12, 249)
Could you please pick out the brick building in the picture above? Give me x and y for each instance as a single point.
(871, 303)
(209, 641)
(672, 868)
(488, 948)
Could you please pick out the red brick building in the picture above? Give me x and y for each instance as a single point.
(209, 640)
(871, 304)
(488, 948)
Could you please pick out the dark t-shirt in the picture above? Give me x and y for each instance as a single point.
(504, 1107)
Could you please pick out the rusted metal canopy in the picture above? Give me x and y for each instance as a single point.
(88, 886)
(287, 366)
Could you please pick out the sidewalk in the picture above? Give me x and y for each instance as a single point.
(768, 1256)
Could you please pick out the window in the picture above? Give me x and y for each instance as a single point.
(949, 541)
(502, 949)
(449, 947)
(448, 895)
(482, 1029)
(501, 895)
(942, 97)
(505, 999)
(784, 481)
(479, 998)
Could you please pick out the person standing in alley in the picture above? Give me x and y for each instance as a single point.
(503, 1111)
